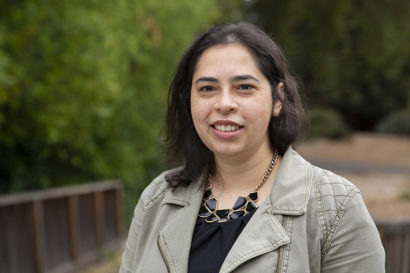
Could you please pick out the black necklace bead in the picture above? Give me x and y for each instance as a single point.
(203, 212)
(250, 206)
(237, 214)
(211, 204)
(253, 196)
(240, 203)
(222, 213)
(211, 218)
(207, 194)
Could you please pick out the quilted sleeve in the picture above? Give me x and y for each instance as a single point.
(351, 242)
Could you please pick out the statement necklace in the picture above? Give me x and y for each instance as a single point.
(242, 206)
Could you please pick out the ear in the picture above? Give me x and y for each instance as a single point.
(277, 104)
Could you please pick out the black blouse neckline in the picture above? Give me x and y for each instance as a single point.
(211, 243)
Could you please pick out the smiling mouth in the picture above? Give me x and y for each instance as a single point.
(227, 128)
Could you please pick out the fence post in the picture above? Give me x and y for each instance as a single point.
(99, 216)
(38, 230)
(73, 225)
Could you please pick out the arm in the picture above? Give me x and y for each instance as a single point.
(129, 249)
(355, 242)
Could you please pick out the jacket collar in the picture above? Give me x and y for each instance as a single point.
(292, 185)
(289, 195)
(185, 195)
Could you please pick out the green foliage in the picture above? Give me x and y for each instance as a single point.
(232, 10)
(351, 56)
(404, 196)
(83, 88)
(326, 123)
(398, 122)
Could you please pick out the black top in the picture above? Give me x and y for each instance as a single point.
(212, 242)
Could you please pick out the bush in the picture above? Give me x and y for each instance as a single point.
(83, 86)
(326, 123)
(343, 60)
(397, 122)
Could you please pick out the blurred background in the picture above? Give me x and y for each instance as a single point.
(83, 93)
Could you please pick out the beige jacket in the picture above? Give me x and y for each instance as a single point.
(313, 221)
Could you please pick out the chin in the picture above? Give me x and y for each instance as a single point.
(226, 152)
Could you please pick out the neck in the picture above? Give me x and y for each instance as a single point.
(240, 175)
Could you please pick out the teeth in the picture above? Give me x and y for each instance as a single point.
(228, 128)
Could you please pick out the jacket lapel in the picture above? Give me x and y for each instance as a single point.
(174, 240)
(261, 235)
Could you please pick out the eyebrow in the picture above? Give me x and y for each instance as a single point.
(206, 79)
(244, 77)
(233, 79)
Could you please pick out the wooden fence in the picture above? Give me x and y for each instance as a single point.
(59, 230)
(396, 241)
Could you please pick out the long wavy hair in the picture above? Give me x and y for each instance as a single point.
(183, 145)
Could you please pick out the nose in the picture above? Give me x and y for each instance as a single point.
(225, 103)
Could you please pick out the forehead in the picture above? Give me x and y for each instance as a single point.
(228, 58)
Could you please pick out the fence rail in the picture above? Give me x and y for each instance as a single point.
(59, 230)
(396, 241)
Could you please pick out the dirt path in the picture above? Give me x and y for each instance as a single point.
(377, 149)
(379, 165)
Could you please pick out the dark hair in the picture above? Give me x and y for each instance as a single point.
(182, 141)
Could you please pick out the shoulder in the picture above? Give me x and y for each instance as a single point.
(332, 194)
(156, 190)
(332, 189)
(328, 188)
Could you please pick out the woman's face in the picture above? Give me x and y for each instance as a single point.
(231, 102)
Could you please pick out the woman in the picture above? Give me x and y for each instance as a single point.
(243, 200)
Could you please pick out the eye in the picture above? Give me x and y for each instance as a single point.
(246, 87)
(206, 88)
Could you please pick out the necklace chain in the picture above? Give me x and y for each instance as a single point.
(268, 171)
(264, 179)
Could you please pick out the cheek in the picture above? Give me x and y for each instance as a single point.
(257, 118)
(262, 109)
(199, 118)
(197, 112)
(261, 115)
